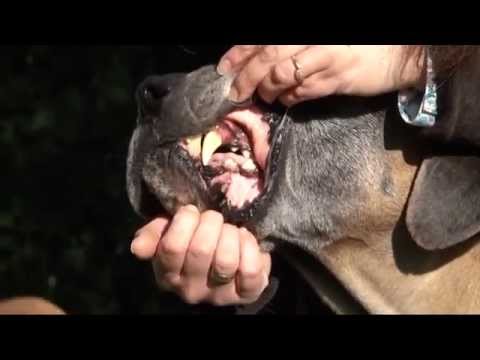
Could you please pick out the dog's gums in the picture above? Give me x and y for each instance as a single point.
(232, 158)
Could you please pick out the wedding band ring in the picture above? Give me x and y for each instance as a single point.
(298, 74)
(221, 279)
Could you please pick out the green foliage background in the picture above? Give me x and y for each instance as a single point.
(66, 115)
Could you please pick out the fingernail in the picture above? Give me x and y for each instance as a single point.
(224, 67)
(133, 245)
(233, 96)
(243, 104)
(190, 208)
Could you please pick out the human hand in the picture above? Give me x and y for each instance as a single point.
(297, 73)
(203, 259)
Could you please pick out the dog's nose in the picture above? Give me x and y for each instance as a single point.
(153, 89)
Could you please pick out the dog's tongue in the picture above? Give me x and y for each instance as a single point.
(251, 121)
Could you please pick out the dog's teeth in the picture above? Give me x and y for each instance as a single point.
(234, 149)
(211, 143)
(230, 165)
(225, 188)
(194, 145)
(249, 165)
(247, 154)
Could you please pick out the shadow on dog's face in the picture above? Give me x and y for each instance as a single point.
(325, 170)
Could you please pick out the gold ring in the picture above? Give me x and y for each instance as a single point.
(221, 279)
(298, 71)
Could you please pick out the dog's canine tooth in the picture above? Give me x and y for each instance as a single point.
(194, 145)
(211, 143)
(247, 154)
(230, 165)
(249, 165)
(225, 188)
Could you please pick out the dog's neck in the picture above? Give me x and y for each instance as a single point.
(388, 274)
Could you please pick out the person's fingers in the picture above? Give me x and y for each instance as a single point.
(258, 67)
(284, 75)
(147, 238)
(235, 58)
(227, 255)
(316, 86)
(174, 244)
(202, 247)
(251, 276)
(199, 257)
(166, 280)
(254, 268)
(225, 295)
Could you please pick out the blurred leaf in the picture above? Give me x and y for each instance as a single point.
(6, 220)
(41, 120)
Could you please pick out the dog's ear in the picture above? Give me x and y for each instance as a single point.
(444, 207)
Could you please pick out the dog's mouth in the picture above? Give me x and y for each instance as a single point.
(237, 160)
